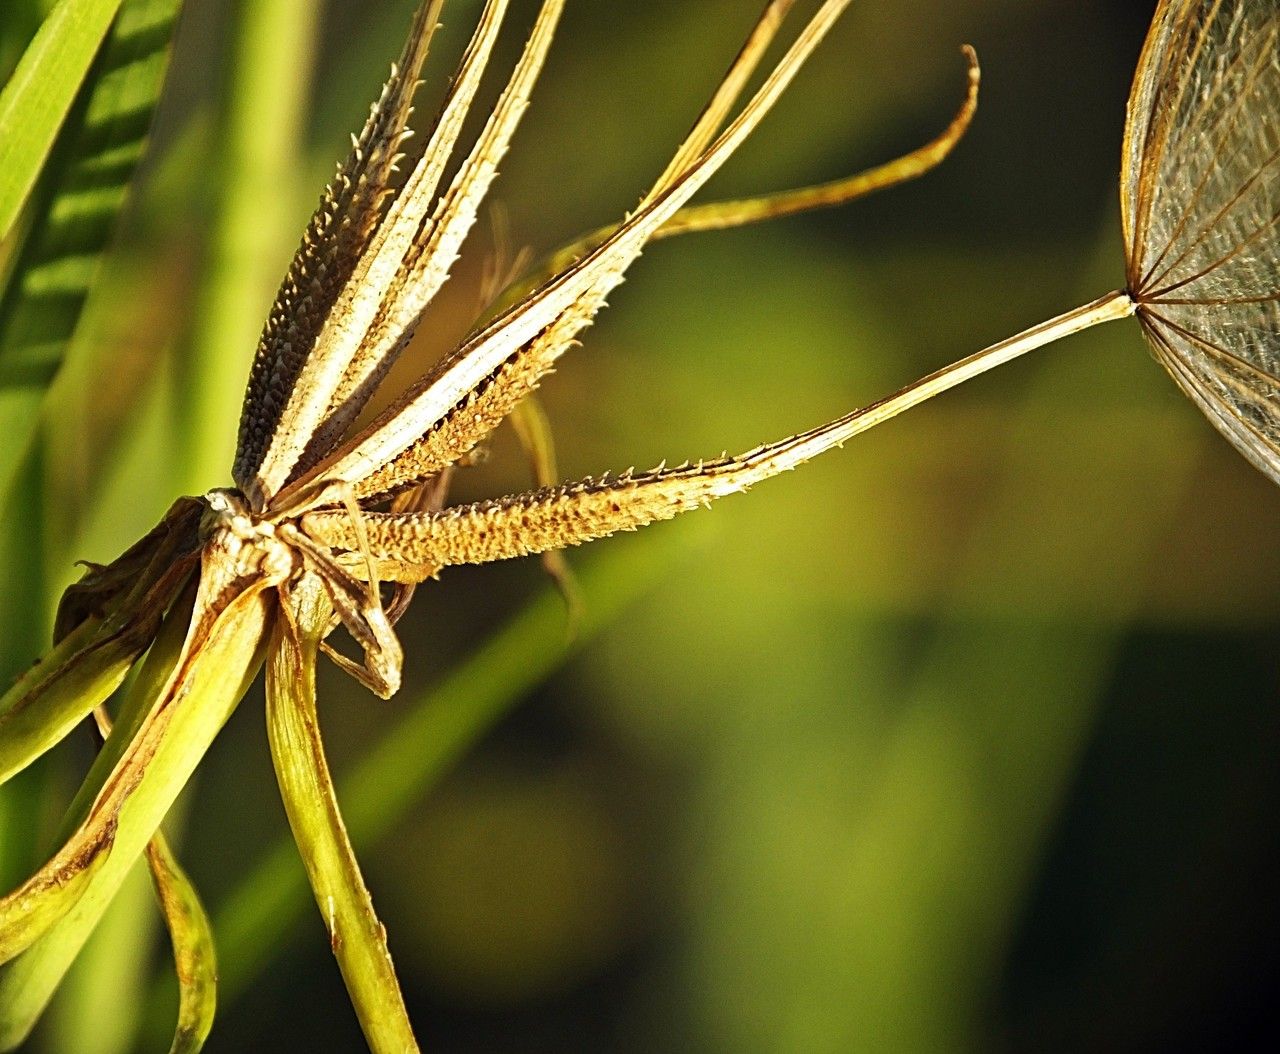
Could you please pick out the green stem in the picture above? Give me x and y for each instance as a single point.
(356, 935)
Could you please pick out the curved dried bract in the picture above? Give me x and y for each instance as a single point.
(425, 263)
(331, 248)
(1201, 197)
(718, 215)
(565, 304)
(341, 345)
(195, 959)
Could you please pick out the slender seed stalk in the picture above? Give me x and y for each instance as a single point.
(1116, 304)
(412, 546)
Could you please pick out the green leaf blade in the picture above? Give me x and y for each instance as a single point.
(86, 183)
(35, 101)
(181, 699)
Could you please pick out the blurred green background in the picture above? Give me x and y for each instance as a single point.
(962, 738)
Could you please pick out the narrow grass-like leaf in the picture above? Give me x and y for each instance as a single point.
(63, 689)
(194, 957)
(254, 921)
(357, 937)
(185, 694)
(21, 20)
(35, 101)
(84, 188)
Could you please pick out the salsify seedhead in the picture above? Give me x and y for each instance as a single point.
(321, 516)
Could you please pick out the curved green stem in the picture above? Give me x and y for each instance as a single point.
(357, 937)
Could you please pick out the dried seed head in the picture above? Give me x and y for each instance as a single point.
(390, 250)
(1201, 202)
